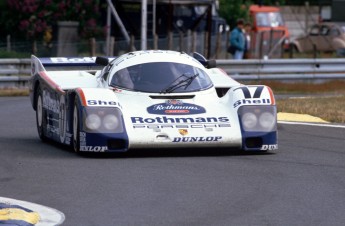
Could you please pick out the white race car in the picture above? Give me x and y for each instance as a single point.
(149, 99)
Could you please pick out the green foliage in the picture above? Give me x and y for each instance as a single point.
(2, 4)
(11, 54)
(311, 2)
(33, 19)
(276, 2)
(231, 10)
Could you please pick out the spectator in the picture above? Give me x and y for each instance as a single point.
(237, 40)
(247, 33)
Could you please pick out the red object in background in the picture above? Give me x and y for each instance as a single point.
(268, 19)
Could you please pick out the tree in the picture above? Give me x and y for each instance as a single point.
(231, 10)
(34, 18)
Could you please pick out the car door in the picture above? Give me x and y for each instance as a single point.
(307, 43)
(335, 38)
(324, 41)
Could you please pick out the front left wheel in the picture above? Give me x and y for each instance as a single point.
(40, 115)
(76, 127)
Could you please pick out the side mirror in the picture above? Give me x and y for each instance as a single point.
(200, 58)
(204, 61)
(102, 61)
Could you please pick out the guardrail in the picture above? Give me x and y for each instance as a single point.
(284, 69)
(15, 66)
(18, 70)
(14, 72)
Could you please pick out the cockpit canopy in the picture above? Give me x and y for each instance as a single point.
(161, 77)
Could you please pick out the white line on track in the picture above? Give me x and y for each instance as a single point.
(312, 124)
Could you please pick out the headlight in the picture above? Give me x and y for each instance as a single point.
(261, 118)
(267, 120)
(93, 122)
(102, 120)
(249, 120)
(110, 122)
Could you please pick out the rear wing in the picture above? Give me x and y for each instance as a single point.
(65, 64)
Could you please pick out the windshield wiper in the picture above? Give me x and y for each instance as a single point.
(182, 83)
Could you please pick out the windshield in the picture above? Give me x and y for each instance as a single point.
(161, 77)
(272, 19)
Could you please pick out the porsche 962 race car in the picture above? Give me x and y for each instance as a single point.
(149, 99)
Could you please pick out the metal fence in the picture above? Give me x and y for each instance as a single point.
(187, 42)
(267, 44)
(263, 44)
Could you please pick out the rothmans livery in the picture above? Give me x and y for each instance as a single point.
(149, 99)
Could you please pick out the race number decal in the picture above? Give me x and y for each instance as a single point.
(246, 92)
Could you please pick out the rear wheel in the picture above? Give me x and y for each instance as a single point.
(40, 115)
(76, 127)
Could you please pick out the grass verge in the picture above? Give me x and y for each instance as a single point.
(14, 92)
(331, 109)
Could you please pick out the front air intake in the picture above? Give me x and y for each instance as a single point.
(253, 142)
(114, 144)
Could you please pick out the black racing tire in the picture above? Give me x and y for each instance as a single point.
(76, 127)
(41, 119)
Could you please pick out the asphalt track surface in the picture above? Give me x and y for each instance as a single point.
(303, 183)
